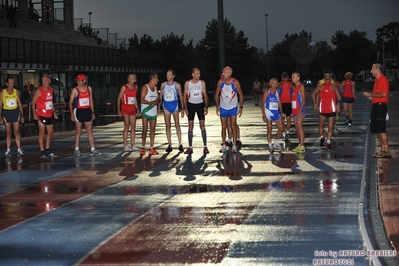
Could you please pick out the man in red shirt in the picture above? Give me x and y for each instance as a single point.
(379, 100)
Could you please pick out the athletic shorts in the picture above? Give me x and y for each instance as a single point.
(228, 113)
(287, 108)
(333, 114)
(195, 109)
(378, 118)
(46, 120)
(128, 109)
(83, 114)
(11, 116)
(348, 100)
(171, 107)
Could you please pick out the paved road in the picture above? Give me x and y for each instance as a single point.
(171, 209)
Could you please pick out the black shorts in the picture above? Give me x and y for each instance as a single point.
(11, 116)
(195, 109)
(334, 114)
(378, 123)
(83, 115)
(348, 100)
(287, 108)
(46, 120)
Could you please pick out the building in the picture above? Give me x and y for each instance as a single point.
(55, 47)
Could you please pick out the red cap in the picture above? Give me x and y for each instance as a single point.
(80, 77)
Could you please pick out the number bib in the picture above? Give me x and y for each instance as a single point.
(84, 102)
(226, 94)
(273, 106)
(293, 104)
(49, 105)
(196, 94)
(131, 100)
(11, 102)
(169, 96)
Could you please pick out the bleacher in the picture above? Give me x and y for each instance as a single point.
(34, 30)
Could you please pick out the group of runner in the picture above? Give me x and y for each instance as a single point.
(284, 100)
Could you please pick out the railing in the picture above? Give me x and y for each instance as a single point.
(33, 54)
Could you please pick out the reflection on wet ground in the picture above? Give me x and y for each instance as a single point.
(252, 207)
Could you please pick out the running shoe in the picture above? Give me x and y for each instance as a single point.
(347, 120)
(153, 151)
(127, 149)
(234, 149)
(322, 141)
(277, 146)
(20, 153)
(384, 154)
(271, 150)
(77, 153)
(287, 135)
(350, 122)
(169, 148)
(7, 154)
(44, 155)
(377, 154)
(142, 151)
(329, 145)
(134, 148)
(51, 154)
(223, 149)
(95, 152)
(300, 149)
(238, 143)
(181, 148)
(206, 151)
(228, 143)
(189, 150)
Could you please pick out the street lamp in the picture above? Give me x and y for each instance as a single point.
(90, 13)
(267, 49)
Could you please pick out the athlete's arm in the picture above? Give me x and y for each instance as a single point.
(217, 96)
(118, 101)
(241, 95)
(205, 94)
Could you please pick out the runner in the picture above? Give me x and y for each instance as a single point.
(285, 92)
(195, 102)
(271, 107)
(171, 95)
(128, 98)
(256, 89)
(299, 110)
(348, 97)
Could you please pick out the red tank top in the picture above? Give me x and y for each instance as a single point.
(129, 97)
(348, 89)
(296, 104)
(83, 99)
(327, 99)
(285, 92)
(44, 103)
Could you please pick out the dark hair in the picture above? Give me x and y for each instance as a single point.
(285, 75)
(8, 79)
(327, 71)
(171, 70)
(152, 75)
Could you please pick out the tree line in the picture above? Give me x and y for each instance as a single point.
(296, 52)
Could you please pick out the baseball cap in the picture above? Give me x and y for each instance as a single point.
(327, 71)
(81, 77)
(285, 75)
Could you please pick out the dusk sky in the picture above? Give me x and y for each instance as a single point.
(157, 18)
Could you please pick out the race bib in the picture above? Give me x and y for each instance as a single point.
(11, 102)
(169, 96)
(226, 95)
(131, 100)
(84, 102)
(49, 105)
(293, 104)
(196, 94)
(273, 106)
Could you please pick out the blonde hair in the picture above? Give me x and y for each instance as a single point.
(348, 75)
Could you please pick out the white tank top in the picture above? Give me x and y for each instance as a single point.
(151, 96)
(195, 93)
(228, 96)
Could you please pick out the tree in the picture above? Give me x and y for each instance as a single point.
(352, 52)
(239, 55)
(388, 35)
(294, 53)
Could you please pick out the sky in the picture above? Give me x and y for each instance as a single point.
(158, 18)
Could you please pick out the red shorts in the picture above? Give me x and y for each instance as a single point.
(128, 109)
